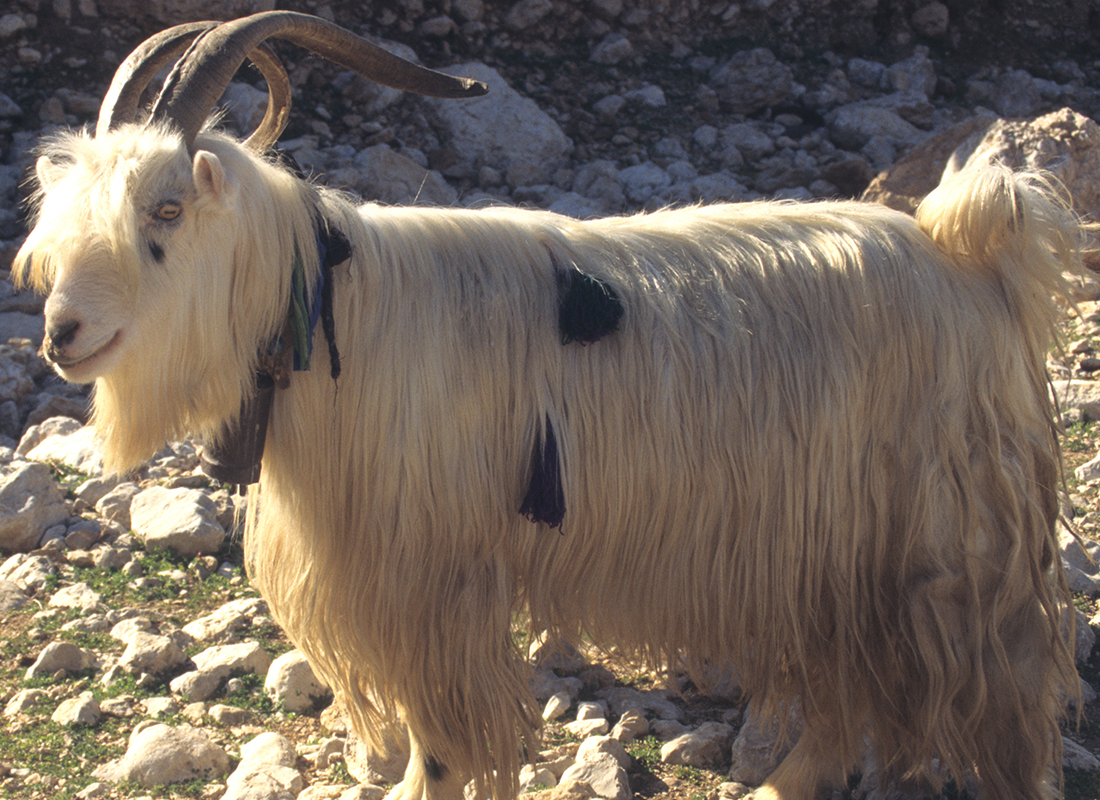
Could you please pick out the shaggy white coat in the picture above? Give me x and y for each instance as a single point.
(819, 448)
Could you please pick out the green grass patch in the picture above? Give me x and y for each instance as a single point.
(63, 756)
(251, 695)
(646, 752)
(1079, 437)
(68, 477)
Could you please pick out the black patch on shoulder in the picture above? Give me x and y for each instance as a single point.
(433, 769)
(588, 309)
(157, 252)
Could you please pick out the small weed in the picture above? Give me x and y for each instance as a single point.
(691, 774)
(646, 752)
(556, 736)
(251, 695)
(338, 773)
(68, 477)
(192, 789)
(1078, 438)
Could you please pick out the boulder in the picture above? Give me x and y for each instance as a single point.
(63, 440)
(292, 684)
(751, 81)
(30, 503)
(500, 129)
(159, 754)
(181, 520)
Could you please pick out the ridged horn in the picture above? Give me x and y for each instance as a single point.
(277, 113)
(199, 78)
(137, 71)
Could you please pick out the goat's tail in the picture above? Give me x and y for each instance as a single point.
(1016, 233)
(1016, 225)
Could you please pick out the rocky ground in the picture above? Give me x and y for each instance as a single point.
(126, 624)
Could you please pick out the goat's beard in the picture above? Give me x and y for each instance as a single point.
(139, 406)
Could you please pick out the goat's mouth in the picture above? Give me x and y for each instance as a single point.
(86, 367)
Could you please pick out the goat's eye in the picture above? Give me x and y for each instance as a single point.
(168, 212)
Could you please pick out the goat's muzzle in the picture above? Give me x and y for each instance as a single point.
(59, 335)
(79, 353)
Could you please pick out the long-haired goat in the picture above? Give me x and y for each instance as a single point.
(818, 447)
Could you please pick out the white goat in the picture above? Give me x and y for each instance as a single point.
(818, 447)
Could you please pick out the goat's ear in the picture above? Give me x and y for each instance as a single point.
(48, 172)
(211, 179)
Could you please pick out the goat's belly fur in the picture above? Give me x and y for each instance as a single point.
(818, 451)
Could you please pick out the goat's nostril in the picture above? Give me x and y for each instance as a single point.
(62, 332)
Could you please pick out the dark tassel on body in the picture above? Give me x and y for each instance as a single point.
(545, 500)
(588, 309)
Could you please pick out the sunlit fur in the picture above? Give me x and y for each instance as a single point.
(819, 449)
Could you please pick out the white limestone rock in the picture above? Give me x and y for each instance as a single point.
(223, 625)
(556, 706)
(752, 80)
(587, 727)
(29, 573)
(1078, 398)
(58, 656)
(217, 664)
(30, 504)
(704, 747)
(376, 768)
(622, 698)
(594, 747)
(114, 505)
(532, 776)
(23, 702)
(151, 654)
(12, 597)
(63, 440)
(82, 710)
(266, 770)
(78, 595)
(181, 520)
(1074, 756)
(757, 750)
(631, 725)
(158, 754)
(292, 683)
(604, 774)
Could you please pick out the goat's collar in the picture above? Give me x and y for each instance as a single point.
(306, 311)
(234, 456)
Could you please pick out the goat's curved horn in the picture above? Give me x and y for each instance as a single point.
(202, 75)
(277, 112)
(135, 73)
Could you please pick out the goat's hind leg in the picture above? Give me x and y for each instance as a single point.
(808, 768)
